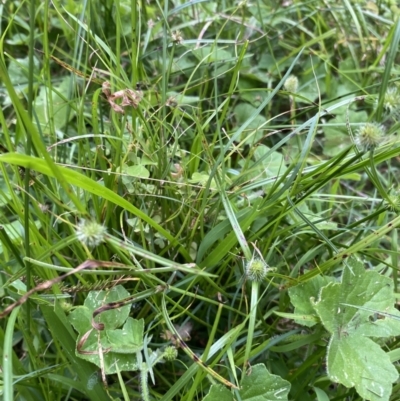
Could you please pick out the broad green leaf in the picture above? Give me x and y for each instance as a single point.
(254, 96)
(53, 106)
(210, 53)
(184, 64)
(129, 339)
(111, 319)
(202, 178)
(267, 164)
(295, 219)
(18, 72)
(131, 173)
(181, 99)
(86, 374)
(357, 361)
(321, 395)
(350, 75)
(123, 16)
(301, 296)
(273, 165)
(218, 392)
(120, 347)
(259, 385)
(15, 232)
(308, 91)
(337, 135)
(255, 131)
(19, 39)
(353, 359)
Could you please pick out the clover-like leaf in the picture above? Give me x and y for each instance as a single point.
(112, 349)
(111, 319)
(129, 339)
(347, 310)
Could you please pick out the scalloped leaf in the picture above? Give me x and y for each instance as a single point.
(353, 359)
(120, 348)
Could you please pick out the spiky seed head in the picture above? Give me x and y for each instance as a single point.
(256, 269)
(370, 135)
(90, 232)
(177, 37)
(291, 84)
(393, 201)
(170, 353)
(392, 100)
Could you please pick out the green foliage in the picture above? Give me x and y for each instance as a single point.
(259, 384)
(354, 359)
(53, 108)
(206, 176)
(120, 345)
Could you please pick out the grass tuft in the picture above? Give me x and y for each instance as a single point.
(186, 191)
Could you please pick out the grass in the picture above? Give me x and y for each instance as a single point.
(187, 192)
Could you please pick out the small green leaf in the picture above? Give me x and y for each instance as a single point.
(181, 99)
(129, 339)
(218, 392)
(337, 135)
(122, 16)
(305, 320)
(130, 175)
(202, 178)
(259, 385)
(138, 171)
(18, 72)
(273, 165)
(301, 296)
(255, 130)
(53, 106)
(321, 395)
(209, 54)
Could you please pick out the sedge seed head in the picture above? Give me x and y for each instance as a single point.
(256, 269)
(291, 84)
(66, 306)
(370, 135)
(393, 201)
(392, 100)
(90, 233)
(177, 37)
(170, 353)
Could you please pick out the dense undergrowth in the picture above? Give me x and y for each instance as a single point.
(199, 200)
